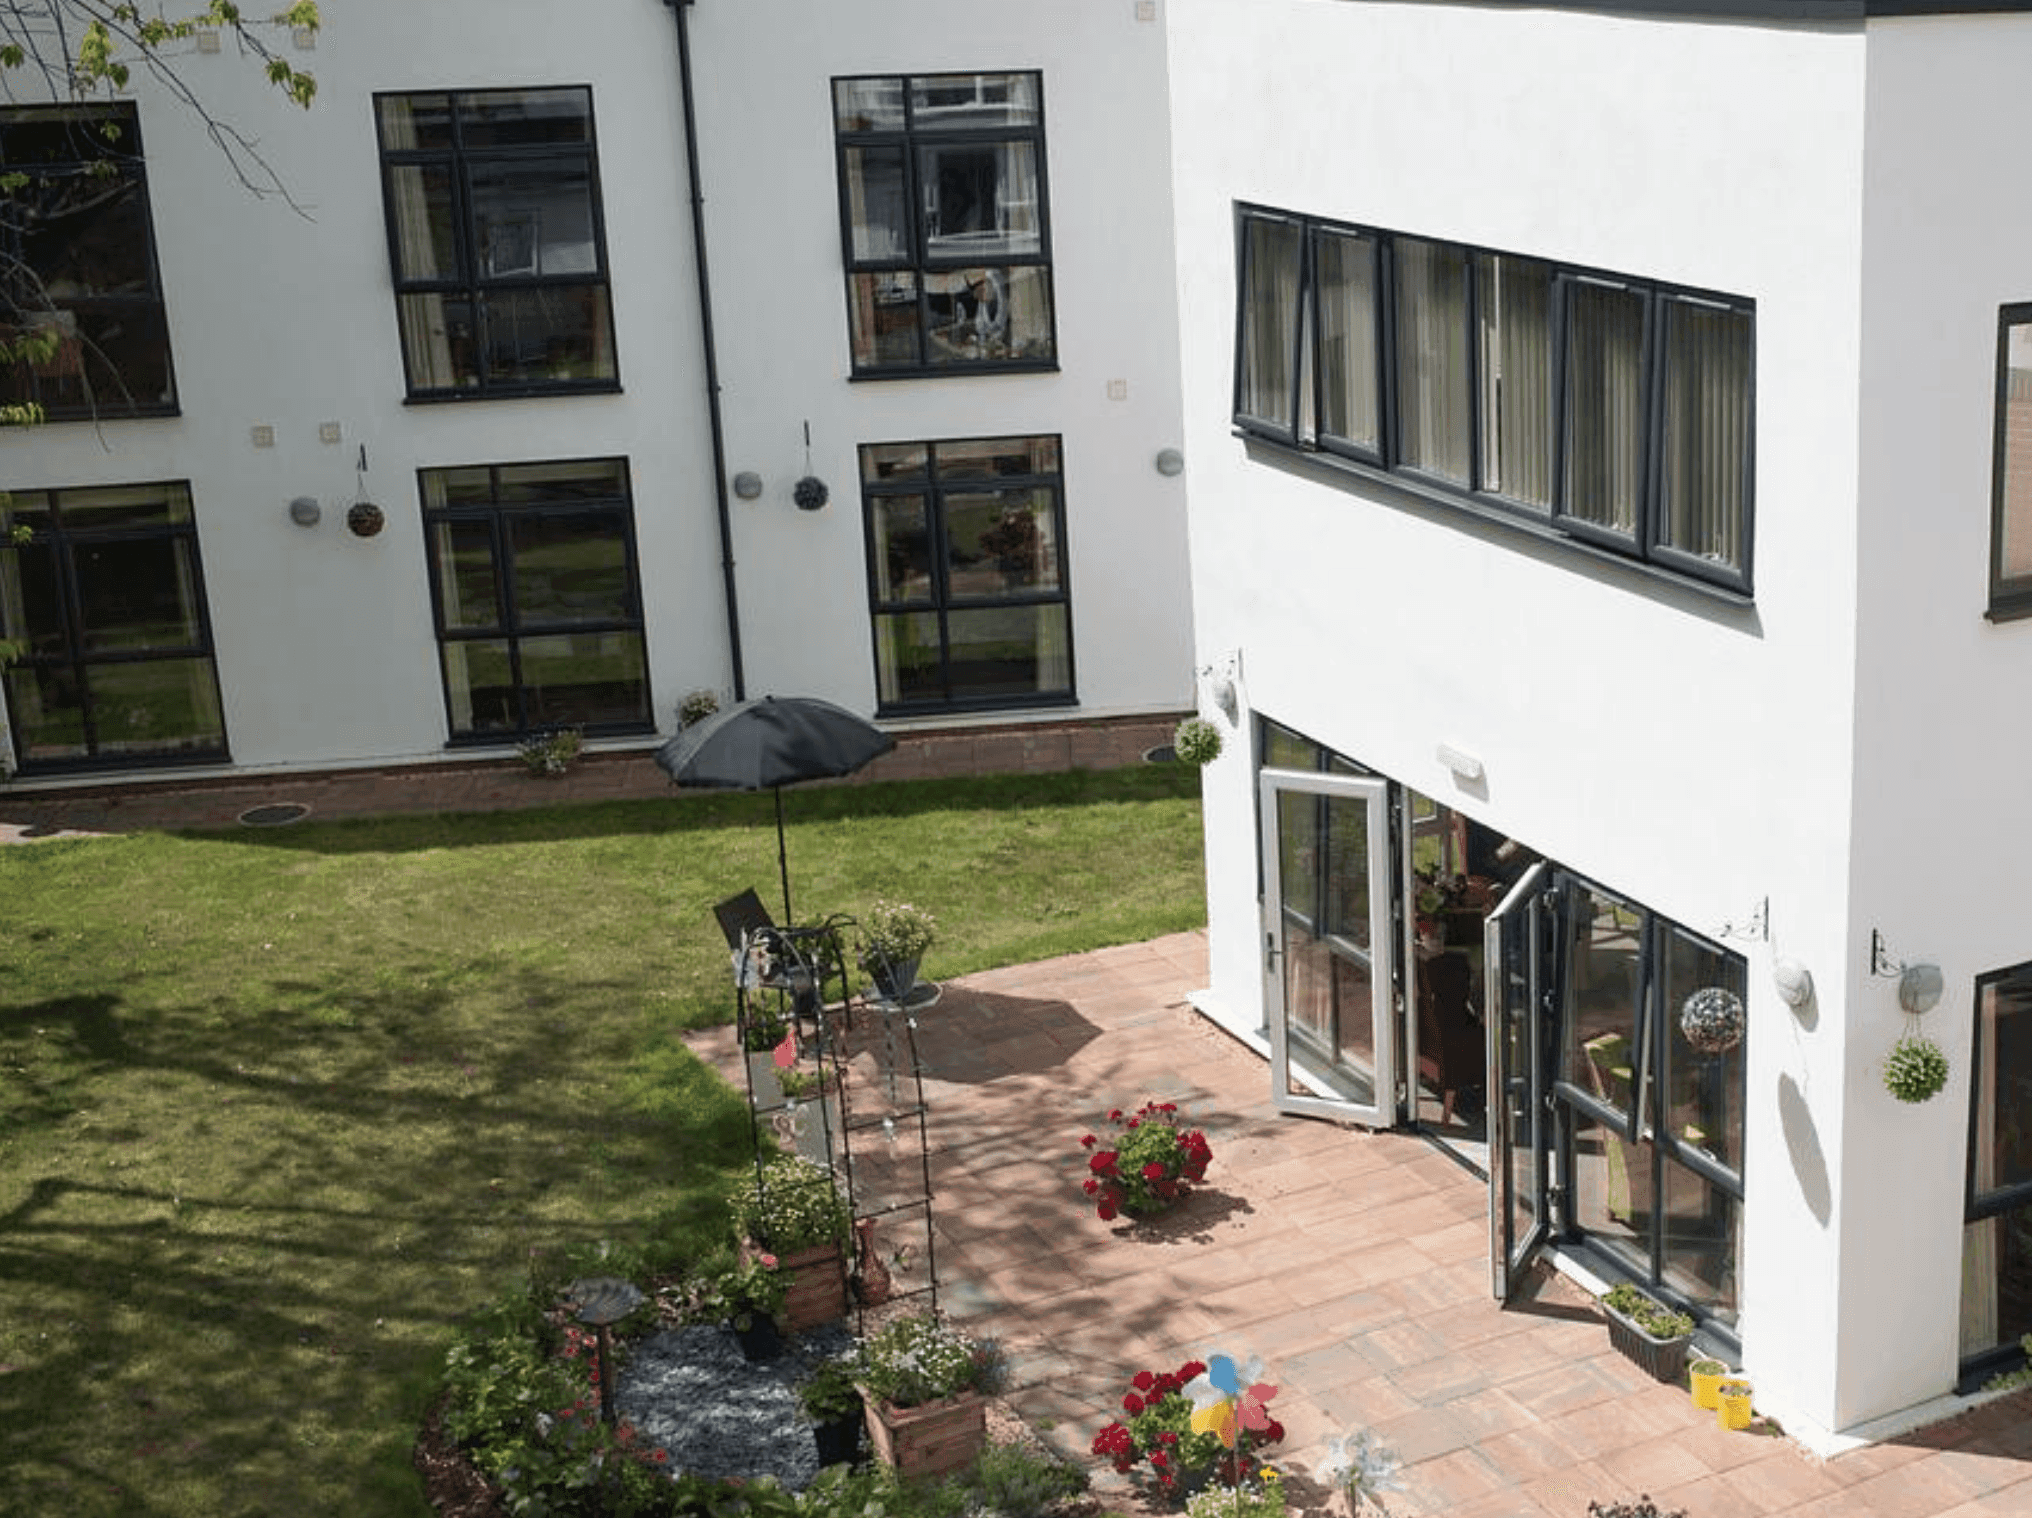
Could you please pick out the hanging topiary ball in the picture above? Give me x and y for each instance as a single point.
(1711, 1020)
(1915, 1070)
(810, 493)
(1197, 741)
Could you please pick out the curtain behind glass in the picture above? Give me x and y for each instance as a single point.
(1706, 441)
(1350, 405)
(1515, 411)
(1605, 406)
(1269, 319)
(1432, 359)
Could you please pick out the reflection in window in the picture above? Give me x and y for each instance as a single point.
(2011, 488)
(966, 573)
(108, 599)
(539, 607)
(496, 241)
(77, 260)
(942, 222)
(1996, 1309)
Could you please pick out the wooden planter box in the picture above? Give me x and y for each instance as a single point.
(818, 1285)
(1662, 1359)
(930, 1440)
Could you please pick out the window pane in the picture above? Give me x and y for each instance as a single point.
(585, 678)
(1605, 406)
(985, 458)
(533, 216)
(908, 658)
(421, 199)
(1703, 1092)
(573, 480)
(1345, 281)
(438, 346)
(979, 200)
(894, 461)
(902, 548)
(2014, 488)
(555, 333)
(1269, 322)
(569, 567)
(1009, 651)
(1000, 543)
(2003, 1150)
(123, 506)
(468, 588)
(1601, 1051)
(1612, 1192)
(989, 315)
(1432, 358)
(1703, 1231)
(156, 706)
(136, 594)
(868, 105)
(878, 215)
(480, 685)
(84, 235)
(525, 118)
(884, 319)
(1706, 441)
(1515, 410)
(457, 487)
(47, 711)
(32, 603)
(1996, 1281)
(947, 101)
(410, 122)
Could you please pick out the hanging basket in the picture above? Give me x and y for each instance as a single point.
(1711, 1020)
(1916, 1069)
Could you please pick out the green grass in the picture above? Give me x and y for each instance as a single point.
(276, 1107)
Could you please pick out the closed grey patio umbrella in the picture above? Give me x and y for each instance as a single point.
(768, 743)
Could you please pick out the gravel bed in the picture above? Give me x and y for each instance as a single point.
(690, 1391)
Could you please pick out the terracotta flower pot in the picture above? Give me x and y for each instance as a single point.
(931, 1440)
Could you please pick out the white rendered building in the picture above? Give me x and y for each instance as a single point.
(1603, 494)
(937, 270)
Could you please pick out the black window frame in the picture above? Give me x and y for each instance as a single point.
(2010, 595)
(917, 261)
(470, 283)
(943, 602)
(1647, 547)
(78, 347)
(1997, 1201)
(65, 543)
(498, 514)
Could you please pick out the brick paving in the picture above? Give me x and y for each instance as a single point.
(1354, 1263)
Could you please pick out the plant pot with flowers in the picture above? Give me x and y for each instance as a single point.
(793, 1209)
(1152, 1163)
(831, 1400)
(1647, 1332)
(895, 937)
(1154, 1443)
(919, 1380)
(748, 1298)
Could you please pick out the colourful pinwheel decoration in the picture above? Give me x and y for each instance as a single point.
(1226, 1400)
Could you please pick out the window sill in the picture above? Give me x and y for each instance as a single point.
(2013, 610)
(955, 371)
(511, 393)
(900, 711)
(1345, 470)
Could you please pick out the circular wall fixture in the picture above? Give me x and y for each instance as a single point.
(747, 484)
(305, 511)
(1170, 461)
(1794, 982)
(364, 519)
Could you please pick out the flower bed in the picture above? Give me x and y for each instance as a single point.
(1157, 1444)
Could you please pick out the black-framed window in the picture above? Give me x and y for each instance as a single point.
(496, 241)
(943, 222)
(1589, 407)
(77, 264)
(107, 597)
(2011, 481)
(538, 598)
(1996, 1307)
(967, 582)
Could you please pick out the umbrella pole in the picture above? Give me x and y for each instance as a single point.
(783, 860)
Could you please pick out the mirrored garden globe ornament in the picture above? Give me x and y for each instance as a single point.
(1712, 1019)
(1363, 1466)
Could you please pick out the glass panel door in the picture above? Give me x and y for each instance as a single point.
(1519, 968)
(1330, 993)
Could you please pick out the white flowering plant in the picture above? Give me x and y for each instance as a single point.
(917, 1359)
(792, 1205)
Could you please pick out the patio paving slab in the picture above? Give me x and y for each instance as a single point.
(1354, 1263)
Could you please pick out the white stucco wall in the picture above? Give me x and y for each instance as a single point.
(764, 70)
(1691, 754)
(325, 647)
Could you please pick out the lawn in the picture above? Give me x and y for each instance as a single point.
(277, 1106)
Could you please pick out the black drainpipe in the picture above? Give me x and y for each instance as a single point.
(679, 8)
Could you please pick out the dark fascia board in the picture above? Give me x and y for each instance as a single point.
(1765, 10)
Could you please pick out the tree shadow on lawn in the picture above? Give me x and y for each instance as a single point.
(231, 1247)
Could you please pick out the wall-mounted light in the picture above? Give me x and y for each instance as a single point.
(747, 484)
(1919, 985)
(1793, 981)
(305, 511)
(1170, 462)
(1464, 765)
